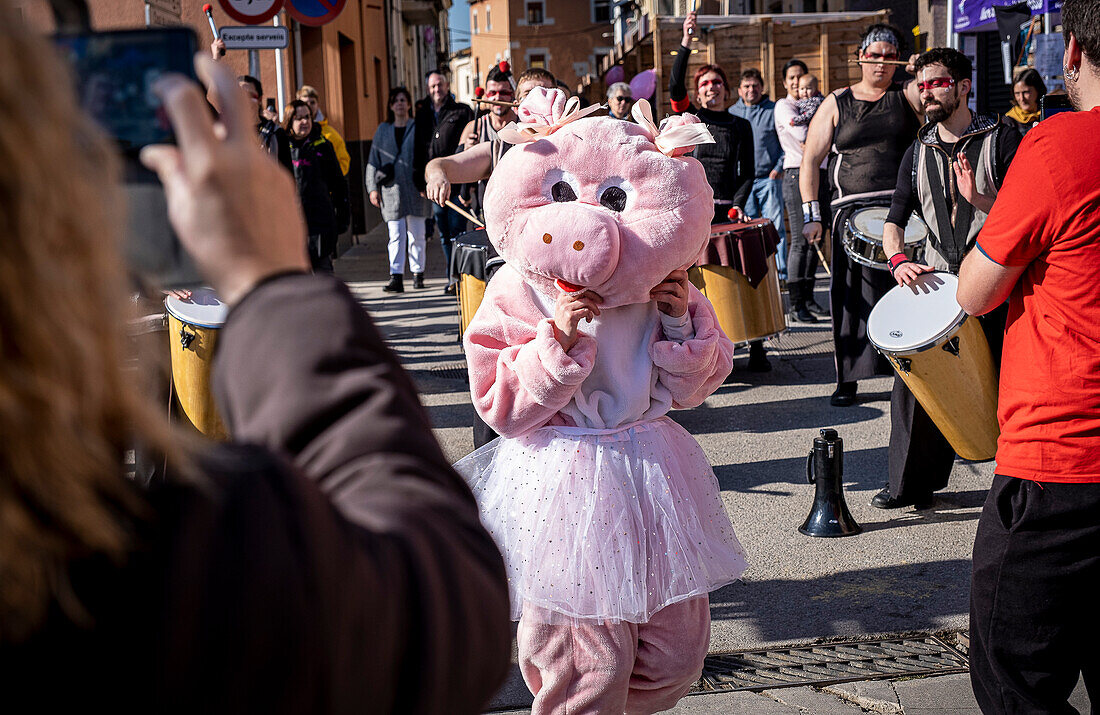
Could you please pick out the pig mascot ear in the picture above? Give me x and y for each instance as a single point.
(543, 112)
(677, 135)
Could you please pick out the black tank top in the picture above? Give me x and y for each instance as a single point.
(869, 142)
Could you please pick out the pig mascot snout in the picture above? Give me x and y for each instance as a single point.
(607, 512)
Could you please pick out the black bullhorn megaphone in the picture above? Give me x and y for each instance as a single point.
(829, 515)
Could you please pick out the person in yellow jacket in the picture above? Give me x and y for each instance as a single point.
(309, 95)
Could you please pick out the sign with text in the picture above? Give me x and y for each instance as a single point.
(255, 38)
(251, 12)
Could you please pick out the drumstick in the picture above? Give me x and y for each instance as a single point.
(495, 102)
(824, 263)
(903, 63)
(462, 212)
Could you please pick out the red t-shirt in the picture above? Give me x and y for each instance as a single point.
(1047, 217)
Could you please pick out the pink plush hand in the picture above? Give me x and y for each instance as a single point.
(671, 294)
(569, 310)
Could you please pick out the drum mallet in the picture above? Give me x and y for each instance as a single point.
(463, 212)
(829, 515)
(824, 263)
(206, 10)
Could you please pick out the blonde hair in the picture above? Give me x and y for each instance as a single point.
(307, 91)
(68, 412)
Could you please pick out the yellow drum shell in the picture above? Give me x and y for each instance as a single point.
(471, 290)
(745, 313)
(958, 392)
(191, 374)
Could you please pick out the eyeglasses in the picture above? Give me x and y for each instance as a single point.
(621, 99)
(936, 83)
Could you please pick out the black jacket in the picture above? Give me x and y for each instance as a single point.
(437, 137)
(275, 142)
(322, 187)
(349, 574)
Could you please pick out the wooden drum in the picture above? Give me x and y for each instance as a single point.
(193, 327)
(944, 359)
(738, 274)
(473, 261)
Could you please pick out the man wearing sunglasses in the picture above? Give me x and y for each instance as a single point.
(491, 118)
(950, 176)
(620, 98)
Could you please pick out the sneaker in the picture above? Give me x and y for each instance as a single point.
(801, 315)
(815, 309)
(418, 280)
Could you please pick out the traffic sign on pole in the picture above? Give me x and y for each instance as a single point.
(251, 12)
(255, 38)
(315, 12)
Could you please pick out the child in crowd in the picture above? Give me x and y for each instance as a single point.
(809, 99)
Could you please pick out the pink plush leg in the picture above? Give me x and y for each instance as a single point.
(573, 669)
(671, 648)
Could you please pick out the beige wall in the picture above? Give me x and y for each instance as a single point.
(346, 60)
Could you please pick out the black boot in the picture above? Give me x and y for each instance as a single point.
(799, 313)
(844, 395)
(418, 280)
(811, 304)
(758, 362)
(396, 284)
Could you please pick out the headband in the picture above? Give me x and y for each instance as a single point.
(879, 34)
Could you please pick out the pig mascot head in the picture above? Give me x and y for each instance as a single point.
(602, 204)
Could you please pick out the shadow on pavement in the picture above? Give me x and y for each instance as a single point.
(779, 416)
(890, 599)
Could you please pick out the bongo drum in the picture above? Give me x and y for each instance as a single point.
(473, 261)
(863, 233)
(193, 327)
(944, 359)
(737, 273)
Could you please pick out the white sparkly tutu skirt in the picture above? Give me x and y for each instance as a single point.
(609, 525)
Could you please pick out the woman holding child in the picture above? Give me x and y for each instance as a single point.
(791, 126)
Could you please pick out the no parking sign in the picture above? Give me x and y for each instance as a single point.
(315, 12)
(251, 12)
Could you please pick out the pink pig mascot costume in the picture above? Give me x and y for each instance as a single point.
(607, 512)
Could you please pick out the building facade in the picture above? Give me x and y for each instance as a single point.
(566, 37)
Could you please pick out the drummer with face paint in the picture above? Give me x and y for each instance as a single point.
(868, 127)
(949, 176)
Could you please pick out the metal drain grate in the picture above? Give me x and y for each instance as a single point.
(451, 371)
(803, 341)
(829, 663)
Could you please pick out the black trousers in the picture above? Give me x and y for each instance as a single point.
(1034, 621)
(920, 458)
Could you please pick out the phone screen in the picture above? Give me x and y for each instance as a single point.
(115, 72)
(1052, 104)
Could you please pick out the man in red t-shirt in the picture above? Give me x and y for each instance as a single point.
(1033, 617)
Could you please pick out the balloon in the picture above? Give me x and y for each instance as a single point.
(644, 84)
(615, 74)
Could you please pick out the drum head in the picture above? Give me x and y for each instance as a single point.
(911, 318)
(870, 223)
(203, 309)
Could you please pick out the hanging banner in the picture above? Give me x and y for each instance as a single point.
(978, 15)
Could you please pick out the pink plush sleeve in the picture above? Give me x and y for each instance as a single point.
(694, 368)
(519, 375)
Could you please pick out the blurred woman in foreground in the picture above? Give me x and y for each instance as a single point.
(322, 580)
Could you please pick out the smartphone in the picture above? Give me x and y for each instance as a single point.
(1051, 104)
(271, 105)
(115, 72)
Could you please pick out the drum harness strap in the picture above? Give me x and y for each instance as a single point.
(950, 229)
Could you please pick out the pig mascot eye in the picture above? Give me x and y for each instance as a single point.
(614, 198)
(562, 191)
